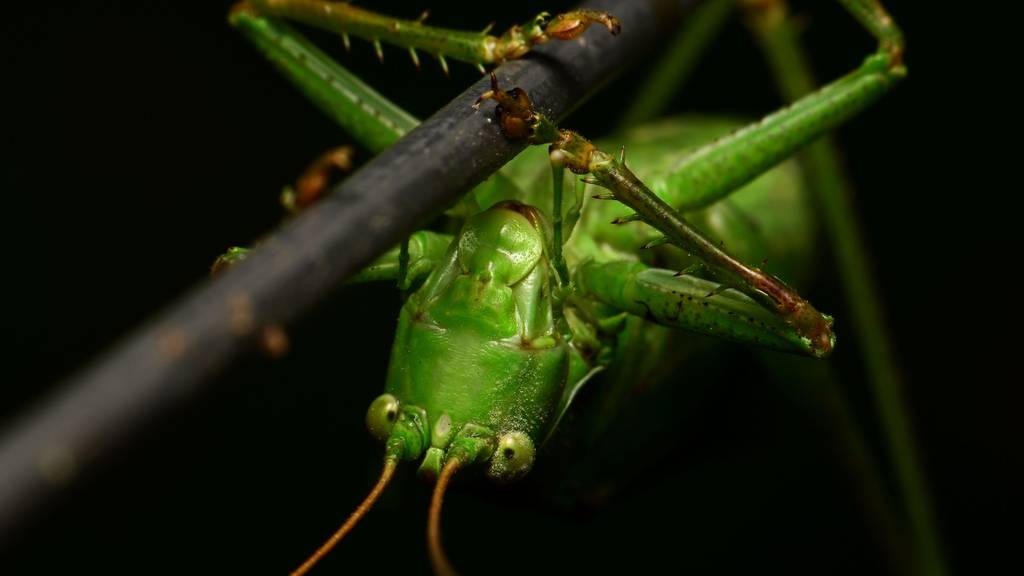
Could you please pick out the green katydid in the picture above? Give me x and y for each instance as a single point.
(534, 324)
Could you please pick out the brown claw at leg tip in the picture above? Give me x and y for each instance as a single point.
(570, 25)
(612, 24)
(492, 94)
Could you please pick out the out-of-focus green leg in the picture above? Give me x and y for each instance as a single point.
(815, 387)
(713, 171)
(781, 45)
(677, 62)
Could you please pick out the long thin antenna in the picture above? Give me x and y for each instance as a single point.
(438, 559)
(385, 476)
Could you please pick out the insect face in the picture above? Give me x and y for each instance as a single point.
(477, 367)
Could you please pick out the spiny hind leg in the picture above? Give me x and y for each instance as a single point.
(478, 48)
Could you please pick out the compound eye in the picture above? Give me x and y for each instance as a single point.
(513, 457)
(382, 415)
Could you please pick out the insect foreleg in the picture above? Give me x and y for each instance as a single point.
(479, 48)
(691, 303)
(426, 249)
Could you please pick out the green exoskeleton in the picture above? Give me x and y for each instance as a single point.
(538, 291)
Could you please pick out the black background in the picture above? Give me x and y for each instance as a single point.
(146, 137)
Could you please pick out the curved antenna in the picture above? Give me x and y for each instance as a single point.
(438, 559)
(385, 476)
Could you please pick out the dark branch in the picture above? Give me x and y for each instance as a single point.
(170, 358)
